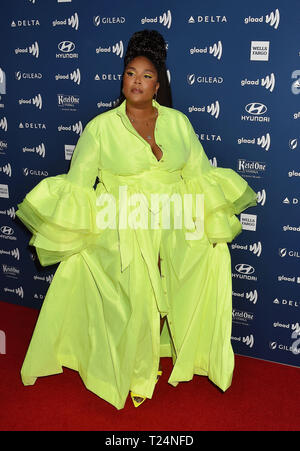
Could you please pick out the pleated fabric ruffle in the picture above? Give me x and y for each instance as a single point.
(61, 217)
(226, 194)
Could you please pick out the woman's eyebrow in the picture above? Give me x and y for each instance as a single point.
(146, 70)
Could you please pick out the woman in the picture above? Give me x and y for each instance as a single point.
(101, 316)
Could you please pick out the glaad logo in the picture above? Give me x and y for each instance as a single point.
(11, 212)
(255, 248)
(72, 21)
(264, 141)
(249, 340)
(3, 124)
(165, 19)
(40, 150)
(288, 228)
(268, 82)
(2, 82)
(261, 197)
(6, 169)
(19, 291)
(251, 296)
(272, 19)
(74, 76)
(32, 50)
(117, 49)
(296, 84)
(215, 50)
(296, 115)
(37, 101)
(294, 173)
(76, 128)
(14, 253)
(213, 109)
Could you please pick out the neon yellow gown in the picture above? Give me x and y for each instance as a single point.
(101, 314)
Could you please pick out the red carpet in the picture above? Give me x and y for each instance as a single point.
(263, 396)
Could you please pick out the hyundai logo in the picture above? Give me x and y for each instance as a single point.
(243, 268)
(7, 230)
(66, 46)
(256, 108)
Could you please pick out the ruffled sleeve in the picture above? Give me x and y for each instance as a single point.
(60, 211)
(226, 193)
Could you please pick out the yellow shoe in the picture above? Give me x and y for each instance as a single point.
(137, 399)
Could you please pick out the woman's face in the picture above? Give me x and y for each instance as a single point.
(140, 81)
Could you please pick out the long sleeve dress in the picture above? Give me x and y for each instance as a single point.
(101, 314)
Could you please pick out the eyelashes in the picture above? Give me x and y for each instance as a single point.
(130, 74)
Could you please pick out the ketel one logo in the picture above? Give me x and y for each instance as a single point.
(243, 268)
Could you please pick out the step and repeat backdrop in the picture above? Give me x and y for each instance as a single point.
(234, 69)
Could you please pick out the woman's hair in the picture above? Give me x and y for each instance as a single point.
(151, 44)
